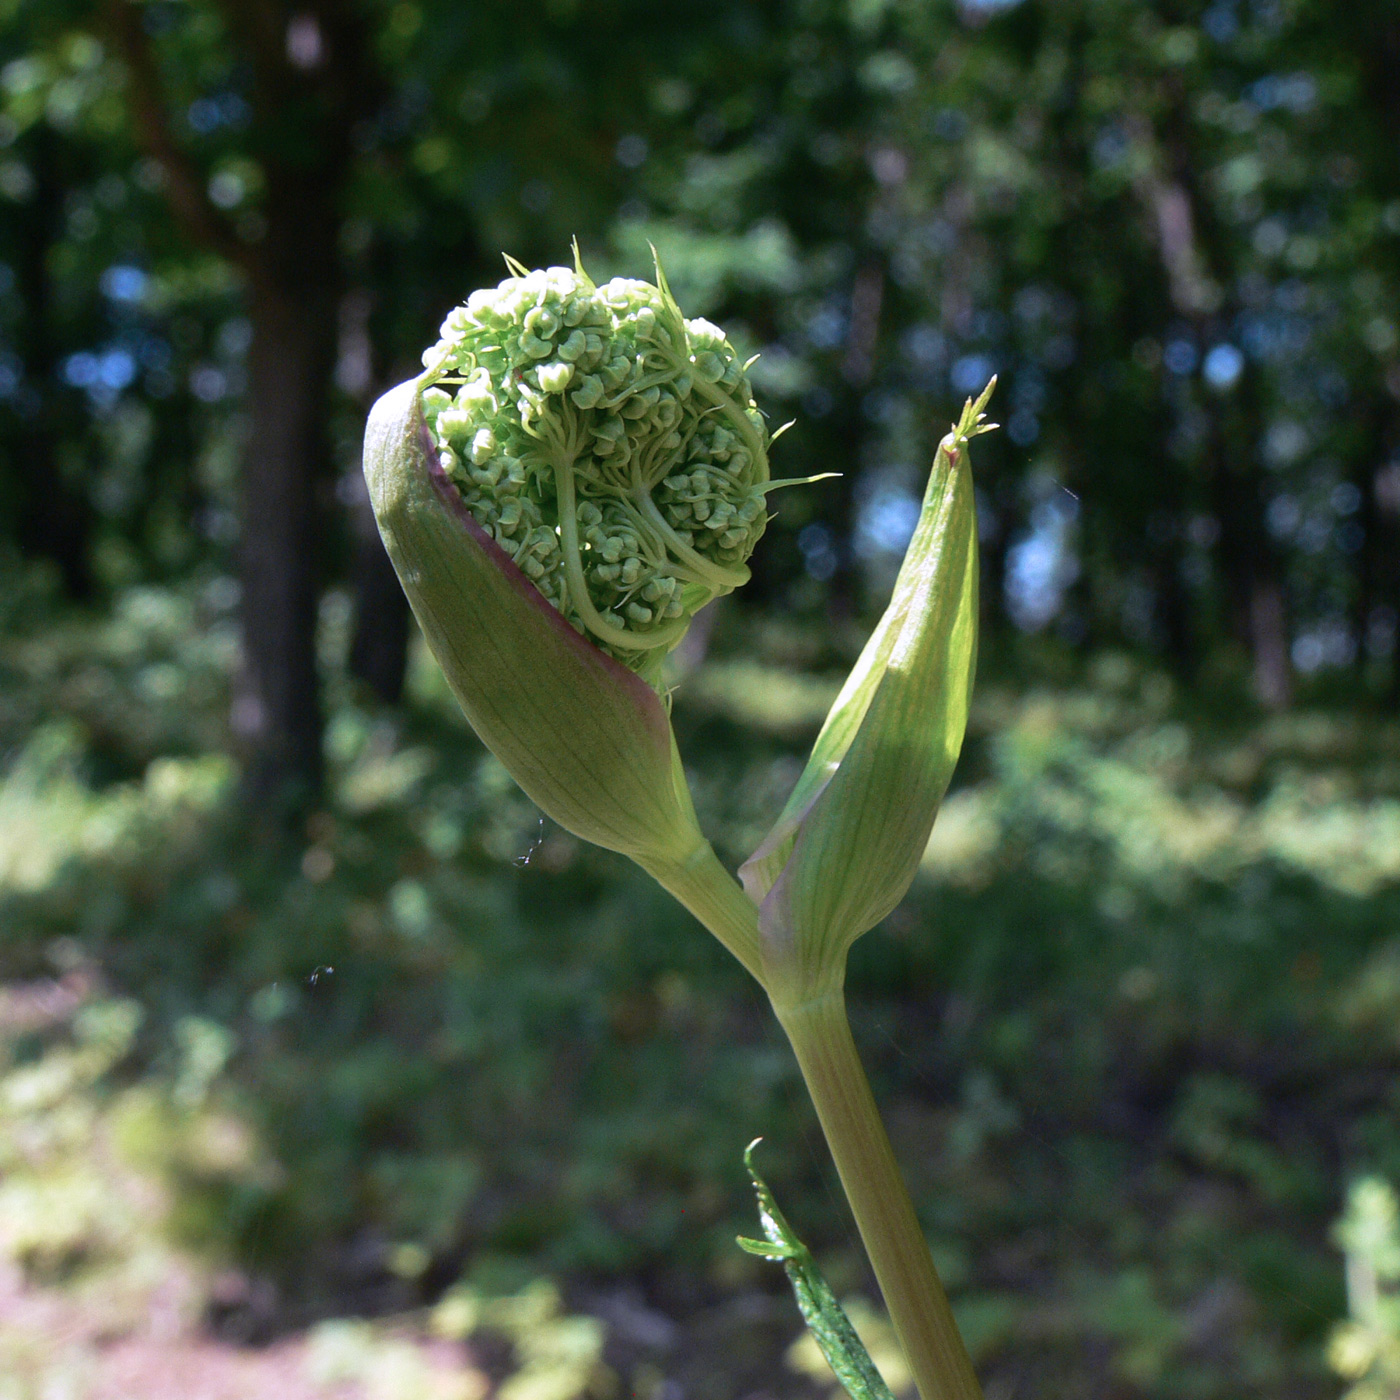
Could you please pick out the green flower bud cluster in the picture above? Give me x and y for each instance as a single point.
(608, 445)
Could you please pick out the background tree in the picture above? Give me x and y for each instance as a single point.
(1139, 1013)
(1172, 235)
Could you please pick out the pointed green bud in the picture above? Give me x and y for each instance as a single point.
(586, 738)
(844, 851)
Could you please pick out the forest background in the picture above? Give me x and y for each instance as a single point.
(326, 1060)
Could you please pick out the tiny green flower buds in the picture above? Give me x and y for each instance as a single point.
(610, 447)
(846, 846)
(586, 738)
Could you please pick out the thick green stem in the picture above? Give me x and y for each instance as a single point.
(894, 1239)
(830, 1064)
(712, 894)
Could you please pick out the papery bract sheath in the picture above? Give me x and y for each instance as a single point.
(587, 739)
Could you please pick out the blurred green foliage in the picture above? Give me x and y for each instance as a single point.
(1135, 1026)
(1174, 232)
(1366, 1348)
(1137, 1021)
(116, 1196)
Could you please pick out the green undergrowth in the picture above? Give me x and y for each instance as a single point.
(1135, 1027)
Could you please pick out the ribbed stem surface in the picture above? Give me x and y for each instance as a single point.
(894, 1239)
(830, 1064)
(713, 895)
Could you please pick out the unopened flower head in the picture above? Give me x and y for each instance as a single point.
(611, 447)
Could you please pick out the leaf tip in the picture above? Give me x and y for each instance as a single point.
(748, 1156)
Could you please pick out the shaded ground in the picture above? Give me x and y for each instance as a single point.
(53, 1345)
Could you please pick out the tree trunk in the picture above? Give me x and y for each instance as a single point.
(313, 76)
(55, 517)
(379, 645)
(1174, 610)
(1268, 636)
(1376, 43)
(1252, 569)
(1195, 259)
(1381, 520)
(379, 649)
(277, 713)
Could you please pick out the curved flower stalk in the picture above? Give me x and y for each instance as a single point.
(577, 471)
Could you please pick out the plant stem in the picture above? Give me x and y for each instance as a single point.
(821, 1039)
(894, 1239)
(713, 895)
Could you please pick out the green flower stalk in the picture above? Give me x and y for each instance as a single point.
(579, 470)
(842, 855)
